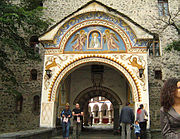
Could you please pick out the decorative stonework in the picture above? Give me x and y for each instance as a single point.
(116, 28)
(96, 20)
(46, 113)
(95, 23)
(53, 63)
(114, 60)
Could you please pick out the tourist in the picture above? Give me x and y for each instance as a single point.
(66, 114)
(170, 109)
(140, 117)
(126, 120)
(78, 117)
(137, 129)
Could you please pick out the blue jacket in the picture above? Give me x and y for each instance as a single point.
(127, 115)
(66, 113)
(137, 128)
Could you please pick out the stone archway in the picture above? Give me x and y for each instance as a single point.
(89, 59)
(98, 91)
(74, 62)
(91, 92)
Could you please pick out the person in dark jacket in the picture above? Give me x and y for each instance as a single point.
(66, 114)
(170, 109)
(126, 120)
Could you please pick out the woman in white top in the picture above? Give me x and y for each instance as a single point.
(141, 113)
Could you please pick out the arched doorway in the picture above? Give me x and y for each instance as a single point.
(79, 87)
(92, 92)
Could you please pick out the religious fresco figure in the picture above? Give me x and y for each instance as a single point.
(80, 39)
(52, 64)
(95, 43)
(109, 38)
(134, 63)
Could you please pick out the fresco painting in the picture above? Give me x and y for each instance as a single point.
(95, 39)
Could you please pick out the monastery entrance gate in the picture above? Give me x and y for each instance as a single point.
(93, 36)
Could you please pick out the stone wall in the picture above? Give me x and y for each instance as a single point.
(143, 12)
(169, 63)
(10, 120)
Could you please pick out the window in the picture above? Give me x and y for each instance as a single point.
(33, 44)
(154, 49)
(19, 102)
(36, 104)
(158, 74)
(104, 112)
(33, 74)
(163, 7)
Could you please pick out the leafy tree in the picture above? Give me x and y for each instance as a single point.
(175, 45)
(17, 23)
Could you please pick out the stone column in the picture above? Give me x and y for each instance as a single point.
(93, 117)
(116, 117)
(48, 114)
(110, 116)
(100, 117)
(86, 116)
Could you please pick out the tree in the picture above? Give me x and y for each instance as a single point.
(17, 23)
(169, 18)
(175, 45)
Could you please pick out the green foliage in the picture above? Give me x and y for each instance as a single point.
(17, 24)
(175, 45)
(31, 4)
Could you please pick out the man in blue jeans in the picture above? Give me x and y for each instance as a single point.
(126, 120)
(66, 114)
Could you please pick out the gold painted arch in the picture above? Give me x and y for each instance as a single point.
(89, 59)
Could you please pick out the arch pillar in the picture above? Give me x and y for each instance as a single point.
(48, 114)
(116, 117)
(86, 114)
(109, 116)
(100, 117)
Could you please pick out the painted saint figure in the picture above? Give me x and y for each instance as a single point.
(109, 38)
(95, 43)
(134, 63)
(80, 39)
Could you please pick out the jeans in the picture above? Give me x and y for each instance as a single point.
(76, 129)
(126, 127)
(65, 129)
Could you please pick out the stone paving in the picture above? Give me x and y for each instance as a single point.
(103, 132)
(94, 135)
